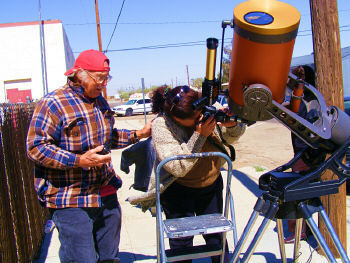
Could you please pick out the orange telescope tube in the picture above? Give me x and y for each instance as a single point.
(262, 49)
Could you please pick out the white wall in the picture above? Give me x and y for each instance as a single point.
(346, 75)
(345, 53)
(21, 58)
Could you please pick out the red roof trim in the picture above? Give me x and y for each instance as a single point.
(30, 23)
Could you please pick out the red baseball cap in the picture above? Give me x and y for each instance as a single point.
(91, 60)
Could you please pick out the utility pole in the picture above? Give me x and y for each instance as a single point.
(104, 91)
(188, 76)
(43, 53)
(329, 81)
(143, 96)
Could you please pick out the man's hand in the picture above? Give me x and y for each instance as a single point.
(145, 131)
(299, 72)
(91, 158)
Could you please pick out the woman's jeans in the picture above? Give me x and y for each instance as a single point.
(89, 234)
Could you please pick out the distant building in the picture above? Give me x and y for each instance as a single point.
(20, 52)
(345, 54)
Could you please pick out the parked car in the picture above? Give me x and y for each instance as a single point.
(132, 107)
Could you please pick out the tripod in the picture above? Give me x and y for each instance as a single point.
(289, 195)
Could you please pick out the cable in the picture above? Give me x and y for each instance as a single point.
(184, 44)
(189, 44)
(169, 22)
(148, 23)
(121, 9)
(149, 47)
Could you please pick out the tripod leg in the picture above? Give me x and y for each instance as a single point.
(316, 232)
(281, 240)
(270, 214)
(238, 248)
(298, 227)
(334, 236)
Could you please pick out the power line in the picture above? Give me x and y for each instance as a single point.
(307, 30)
(121, 9)
(147, 23)
(195, 43)
(185, 44)
(165, 22)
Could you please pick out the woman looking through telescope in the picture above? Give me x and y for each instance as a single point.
(178, 130)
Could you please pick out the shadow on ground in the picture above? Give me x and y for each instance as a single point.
(43, 251)
(127, 257)
(247, 182)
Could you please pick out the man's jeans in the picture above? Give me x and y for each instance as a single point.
(89, 234)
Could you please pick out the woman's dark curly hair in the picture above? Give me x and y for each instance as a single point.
(174, 102)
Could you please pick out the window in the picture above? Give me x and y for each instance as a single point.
(146, 101)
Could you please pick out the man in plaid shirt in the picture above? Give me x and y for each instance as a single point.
(74, 176)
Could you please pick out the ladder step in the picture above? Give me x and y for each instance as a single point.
(197, 225)
(193, 252)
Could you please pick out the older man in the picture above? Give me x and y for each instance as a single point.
(74, 176)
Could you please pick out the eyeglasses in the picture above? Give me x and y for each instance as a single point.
(178, 96)
(99, 80)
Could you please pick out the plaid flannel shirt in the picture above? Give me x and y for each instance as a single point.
(65, 124)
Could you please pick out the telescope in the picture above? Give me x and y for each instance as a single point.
(263, 42)
(262, 50)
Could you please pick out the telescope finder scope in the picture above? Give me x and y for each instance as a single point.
(212, 44)
(210, 85)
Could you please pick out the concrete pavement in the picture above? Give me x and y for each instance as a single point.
(138, 236)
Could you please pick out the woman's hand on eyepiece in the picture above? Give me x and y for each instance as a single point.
(207, 127)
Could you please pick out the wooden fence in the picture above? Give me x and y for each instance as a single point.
(22, 219)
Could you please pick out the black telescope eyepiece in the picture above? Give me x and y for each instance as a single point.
(200, 103)
(212, 43)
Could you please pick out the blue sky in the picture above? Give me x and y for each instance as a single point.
(145, 23)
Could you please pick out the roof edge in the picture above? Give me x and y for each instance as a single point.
(57, 21)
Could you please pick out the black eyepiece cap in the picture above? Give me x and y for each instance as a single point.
(212, 43)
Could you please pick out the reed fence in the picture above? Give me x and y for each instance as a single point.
(22, 218)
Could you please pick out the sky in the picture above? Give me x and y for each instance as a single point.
(157, 40)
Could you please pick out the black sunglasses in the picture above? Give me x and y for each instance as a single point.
(178, 96)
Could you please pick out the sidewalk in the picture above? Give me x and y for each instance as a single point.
(138, 236)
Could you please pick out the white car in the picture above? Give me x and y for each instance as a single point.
(132, 107)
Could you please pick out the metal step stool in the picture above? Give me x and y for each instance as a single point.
(196, 225)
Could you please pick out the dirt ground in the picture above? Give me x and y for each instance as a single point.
(265, 144)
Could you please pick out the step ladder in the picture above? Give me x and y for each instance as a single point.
(196, 225)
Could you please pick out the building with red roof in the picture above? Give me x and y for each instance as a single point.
(27, 64)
